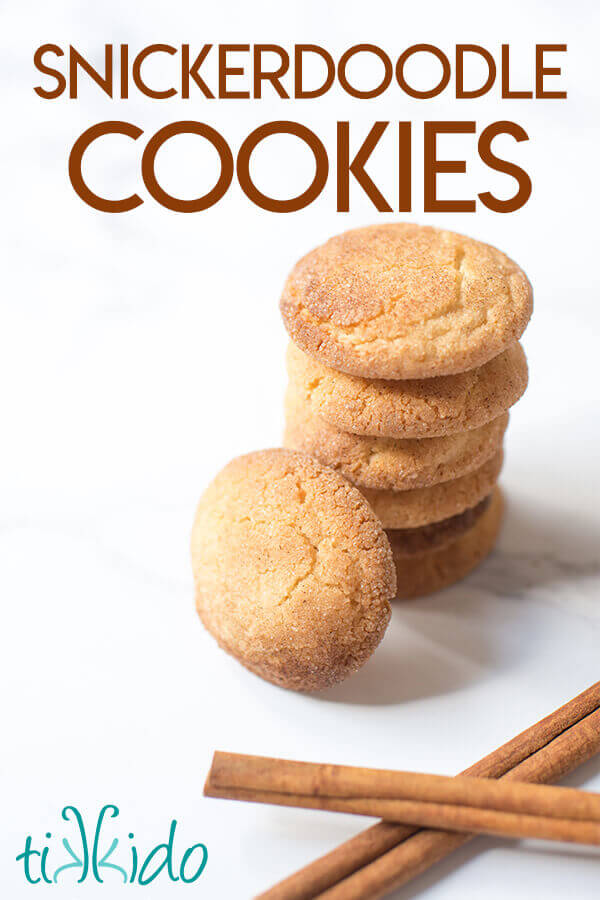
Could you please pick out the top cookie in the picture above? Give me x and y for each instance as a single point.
(293, 570)
(405, 301)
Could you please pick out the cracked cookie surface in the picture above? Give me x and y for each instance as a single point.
(293, 571)
(401, 301)
(388, 463)
(417, 408)
(422, 506)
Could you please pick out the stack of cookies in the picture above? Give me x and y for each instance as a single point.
(403, 364)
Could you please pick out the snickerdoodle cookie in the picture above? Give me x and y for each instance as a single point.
(408, 541)
(412, 509)
(405, 301)
(385, 463)
(293, 571)
(432, 570)
(418, 408)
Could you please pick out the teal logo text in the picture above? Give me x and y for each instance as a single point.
(95, 855)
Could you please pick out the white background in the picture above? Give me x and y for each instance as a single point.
(140, 352)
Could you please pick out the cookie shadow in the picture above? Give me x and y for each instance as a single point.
(438, 644)
(541, 546)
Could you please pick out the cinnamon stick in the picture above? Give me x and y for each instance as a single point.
(387, 855)
(457, 804)
(281, 776)
(424, 848)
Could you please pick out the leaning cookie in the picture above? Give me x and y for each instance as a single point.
(385, 463)
(432, 570)
(293, 571)
(422, 506)
(405, 301)
(419, 408)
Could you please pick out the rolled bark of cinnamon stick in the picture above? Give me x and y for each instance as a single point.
(389, 788)
(466, 804)
(386, 855)
(464, 819)
(424, 848)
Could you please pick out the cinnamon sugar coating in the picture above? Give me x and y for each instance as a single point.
(422, 506)
(417, 408)
(387, 463)
(405, 301)
(293, 571)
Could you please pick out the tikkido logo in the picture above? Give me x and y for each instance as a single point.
(95, 859)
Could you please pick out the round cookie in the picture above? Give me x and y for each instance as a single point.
(293, 571)
(385, 463)
(424, 573)
(413, 509)
(418, 408)
(410, 541)
(405, 301)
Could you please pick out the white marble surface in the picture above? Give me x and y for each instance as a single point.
(138, 353)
